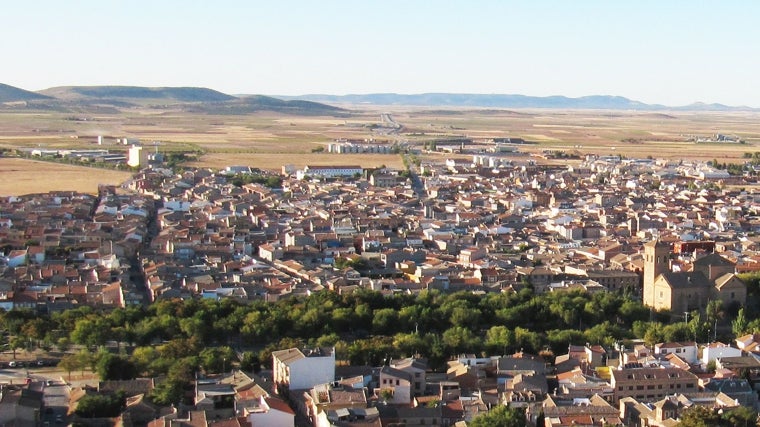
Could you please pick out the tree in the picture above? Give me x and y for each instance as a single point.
(217, 359)
(500, 416)
(69, 363)
(100, 406)
(699, 416)
(112, 367)
(739, 325)
(740, 417)
(714, 311)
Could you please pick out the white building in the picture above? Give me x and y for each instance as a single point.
(718, 350)
(329, 171)
(685, 350)
(137, 157)
(269, 411)
(299, 370)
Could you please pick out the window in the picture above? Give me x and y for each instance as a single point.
(659, 386)
(620, 388)
(630, 387)
(639, 387)
(678, 385)
(650, 387)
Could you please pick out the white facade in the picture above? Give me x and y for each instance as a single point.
(329, 171)
(265, 414)
(398, 383)
(136, 156)
(299, 371)
(712, 353)
(686, 351)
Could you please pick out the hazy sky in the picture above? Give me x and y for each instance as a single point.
(663, 51)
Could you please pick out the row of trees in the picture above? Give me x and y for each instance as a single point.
(179, 338)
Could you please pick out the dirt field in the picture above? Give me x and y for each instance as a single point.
(274, 161)
(21, 176)
(270, 140)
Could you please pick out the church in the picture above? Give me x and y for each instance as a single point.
(711, 277)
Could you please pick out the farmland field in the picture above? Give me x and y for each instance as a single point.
(21, 176)
(269, 140)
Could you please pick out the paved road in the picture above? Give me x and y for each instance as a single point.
(56, 402)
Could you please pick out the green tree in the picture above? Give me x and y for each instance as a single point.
(100, 406)
(740, 324)
(699, 416)
(112, 367)
(179, 378)
(384, 321)
(500, 416)
(740, 417)
(68, 363)
(217, 359)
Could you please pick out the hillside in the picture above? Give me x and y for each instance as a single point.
(13, 94)
(136, 93)
(254, 103)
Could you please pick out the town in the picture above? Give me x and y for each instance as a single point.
(648, 270)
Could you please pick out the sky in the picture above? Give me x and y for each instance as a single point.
(669, 52)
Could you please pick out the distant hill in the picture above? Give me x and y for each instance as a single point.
(601, 102)
(137, 93)
(14, 94)
(111, 99)
(253, 103)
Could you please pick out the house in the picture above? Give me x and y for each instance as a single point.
(395, 386)
(20, 406)
(268, 411)
(736, 388)
(328, 397)
(717, 350)
(686, 350)
(294, 369)
(139, 411)
(329, 171)
(593, 411)
(17, 257)
(651, 384)
(416, 368)
(662, 413)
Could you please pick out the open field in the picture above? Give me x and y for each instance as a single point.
(276, 160)
(270, 140)
(21, 176)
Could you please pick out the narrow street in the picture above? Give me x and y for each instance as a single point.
(56, 402)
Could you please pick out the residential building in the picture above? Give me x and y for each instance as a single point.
(295, 369)
(651, 384)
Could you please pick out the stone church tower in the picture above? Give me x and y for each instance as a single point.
(656, 262)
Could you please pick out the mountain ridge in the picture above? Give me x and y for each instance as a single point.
(443, 99)
(210, 101)
(109, 99)
(10, 93)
